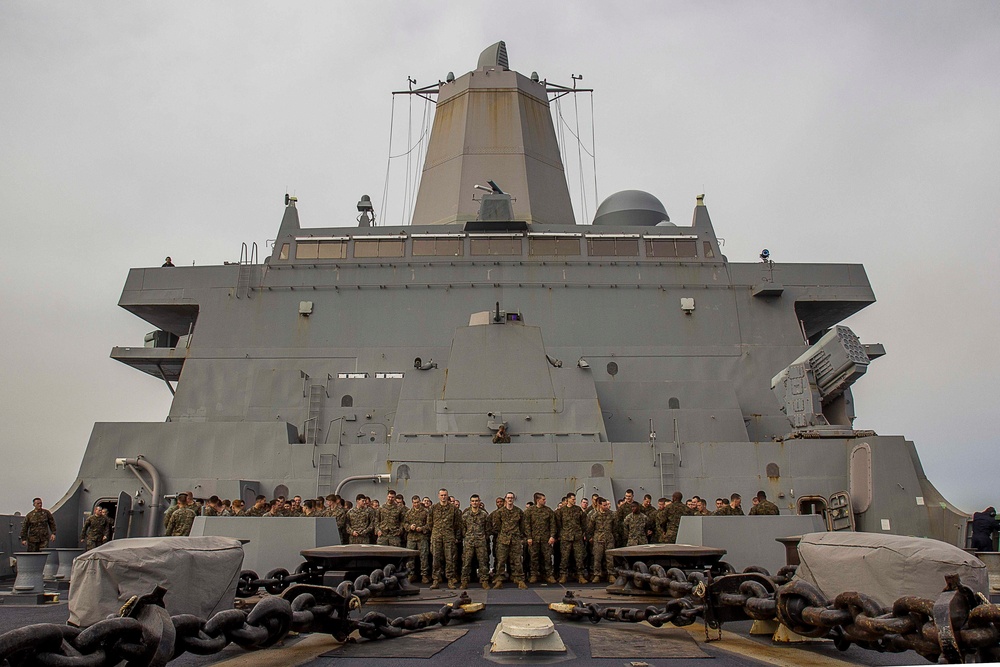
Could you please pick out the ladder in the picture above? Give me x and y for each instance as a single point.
(316, 394)
(248, 268)
(668, 473)
(324, 475)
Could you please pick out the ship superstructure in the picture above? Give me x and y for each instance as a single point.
(623, 353)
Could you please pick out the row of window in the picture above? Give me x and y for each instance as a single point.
(495, 246)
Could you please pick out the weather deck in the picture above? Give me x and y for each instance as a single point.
(468, 643)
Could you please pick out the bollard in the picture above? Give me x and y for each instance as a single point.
(66, 558)
(51, 565)
(29, 573)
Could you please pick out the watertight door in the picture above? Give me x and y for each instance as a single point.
(123, 514)
(839, 515)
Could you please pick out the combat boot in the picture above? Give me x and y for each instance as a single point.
(414, 578)
(425, 579)
(550, 579)
(533, 579)
(464, 584)
(582, 579)
(562, 579)
(436, 584)
(452, 584)
(486, 584)
(523, 586)
(498, 584)
(596, 579)
(611, 579)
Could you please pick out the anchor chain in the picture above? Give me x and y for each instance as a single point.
(145, 635)
(957, 624)
(379, 582)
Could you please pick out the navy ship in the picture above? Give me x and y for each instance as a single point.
(623, 351)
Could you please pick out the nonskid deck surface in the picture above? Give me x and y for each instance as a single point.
(467, 643)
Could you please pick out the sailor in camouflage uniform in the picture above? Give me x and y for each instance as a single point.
(389, 522)
(260, 507)
(475, 531)
(179, 524)
(509, 526)
(444, 522)
(673, 513)
(95, 529)
(635, 526)
(359, 521)
(764, 506)
(570, 529)
(725, 510)
(601, 528)
(658, 519)
(540, 525)
(418, 538)
(38, 527)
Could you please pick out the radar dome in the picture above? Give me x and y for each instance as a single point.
(631, 208)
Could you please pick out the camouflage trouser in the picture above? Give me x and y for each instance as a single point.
(509, 552)
(35, 545)
(671, 536)
(493, 553)
(360, 539)
(577, 548)
(540, 554)
(422, 544)
(443, 552)
(479, 550)
(602, 559)
(92, 544)
(388, 540)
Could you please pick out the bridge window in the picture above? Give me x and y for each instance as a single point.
(495, 245)
(366, 248)
(597, 470)
(321, 249)
(441, 246)
(670, 248)
(674, 404)
(284, 251)
(554, 245)
(605, 246)
(347, 401)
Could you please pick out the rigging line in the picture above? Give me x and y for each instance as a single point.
(593, 143)
(412, 148)
(388, 162)
(570, 130)
(419, 161)
(579, 159)
(409, 142)
(560, 137)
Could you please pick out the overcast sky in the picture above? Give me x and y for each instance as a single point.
(825, 131)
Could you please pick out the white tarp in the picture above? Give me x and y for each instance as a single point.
(199, 573)
(885, 567)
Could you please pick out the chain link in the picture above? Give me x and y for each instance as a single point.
(380, 582)
(956, 625)
(145, 635)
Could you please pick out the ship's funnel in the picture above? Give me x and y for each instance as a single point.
(493, 124)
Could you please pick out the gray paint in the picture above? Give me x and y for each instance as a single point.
(747, 540)
(268, 394)
(271, 542)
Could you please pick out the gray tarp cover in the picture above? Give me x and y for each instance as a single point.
(886, 567)
(199, 573)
